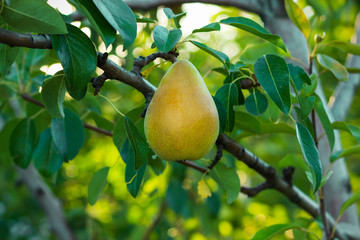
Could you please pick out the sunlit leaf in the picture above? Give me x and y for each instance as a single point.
(203, 189)
(170, 15)
(273, 230)
(22, 142)
(273, 74)
(298, 17)
(222, 57)
(250, 26)
(353, 130)
(166, 40)
(208, 28)
(97, 185)
(310, 153)
(333, 66)
(121, 17)
(33, 16)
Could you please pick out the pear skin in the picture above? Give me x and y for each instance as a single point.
(182, 121)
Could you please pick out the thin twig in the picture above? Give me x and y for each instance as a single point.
(140, 62)
(218, 156)
(252, 192)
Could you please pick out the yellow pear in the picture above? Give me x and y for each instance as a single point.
(182, 120)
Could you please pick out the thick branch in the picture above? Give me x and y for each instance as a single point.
(15, 39)
(47, 201)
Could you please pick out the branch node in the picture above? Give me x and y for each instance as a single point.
(141, 61)
(288, 174)
(102, 59)
(252, 192)
(98, 82)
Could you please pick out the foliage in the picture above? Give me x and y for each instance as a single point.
(111, 188)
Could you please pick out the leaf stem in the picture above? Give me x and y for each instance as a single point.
(112, 104)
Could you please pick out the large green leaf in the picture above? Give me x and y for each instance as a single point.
(53, 94)
(121, 17)
(166, 40)
(310, 153)
(273, 230)
(250, 26)
(222, 57)
(97, 185)
(319, 108)
(256, 103)
(353, 199)
(33, 16)
(100, 24)
(68, 134)
(138, 143)
(222, 114)
(228, 179)
(246, 121)
(298, 17)
(299, 76)
(46, 157)
(333, 66)
(7, 58)
(78, 57)
(22, 142)
(273, 74)
(133, 178)
(228, 96)
(353, 130)
(208, 28)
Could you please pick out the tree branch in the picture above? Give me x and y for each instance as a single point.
(15, 39)
(47, 201)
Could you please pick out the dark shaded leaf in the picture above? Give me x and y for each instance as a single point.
(299, 76)
(53, 94)
(228, 96)
(97, 185)
(256, 103)
(7, 58)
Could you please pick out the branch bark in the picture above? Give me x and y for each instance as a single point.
(47, 201)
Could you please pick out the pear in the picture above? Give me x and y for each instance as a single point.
(182, 121)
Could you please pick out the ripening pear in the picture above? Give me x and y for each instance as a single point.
(182, 120)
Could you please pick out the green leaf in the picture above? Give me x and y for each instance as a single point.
(310, 153)
(228, 96)
(306, 105)
(273, 74)
(254, 28)
(33, 16)
(345, 47)
(222, 114)
(53, 94)
(273, 230)
(121, 17)
(170, 15)
(253, 51)
(166, 40)
(256, 103)
(319, 108)
(333, 66)
(100, 121)
(143, 19)
(68, 134)
(157, 164)
(138, 143)
(299, 76)
(133, 178)
(208, 28)
(228, 179)
(46, 158)
(246, 121)
(344, 153)
(298, 17)
(119, 133)
(222, 57)
(7, 58)
(353, 130)
(22, 142)
(308, 90)
(78, 57)
(353, 199)
(97, 20)
(97, 185)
